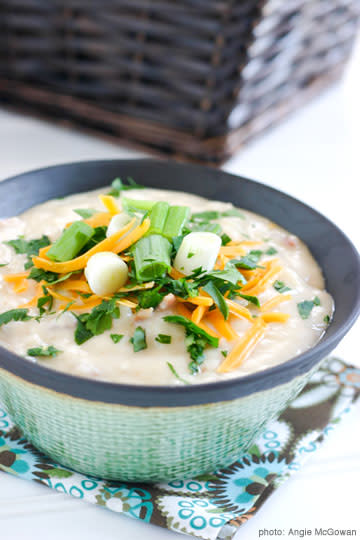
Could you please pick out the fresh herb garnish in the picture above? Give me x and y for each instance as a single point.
(28, 247)
(280, 286)
(98, 236)
(116, 337)
(271, 251)
(163, 338)
(150, 298)
(97, 321)
(47, 299)
(218, 298)
(196, 340)
(42, 351)
(305, 307)
(225, 239)
(38, 274)
(139, 339)
(85, 213)
(175, 373)
(225, 353)
(189, 255)
(253, 299)
(3, 264)
(117, 186)
(19, 314)
(249, 261)
(326, 319)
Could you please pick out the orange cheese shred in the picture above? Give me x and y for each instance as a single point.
(232, 251)
(198, 314)
(244, 347)
(273, 268)
(275, 317)
(175, 274)
(110, 204)
(275, 301)
(185, 312)
(109, 244)
(221, 326)
(10, 278)
(34, 299)
(76, 285)
(132, 236)
(197, 300)
(238, 310)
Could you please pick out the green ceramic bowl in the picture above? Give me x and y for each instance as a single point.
(153, 433)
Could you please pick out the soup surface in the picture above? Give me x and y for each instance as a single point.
(283, 310)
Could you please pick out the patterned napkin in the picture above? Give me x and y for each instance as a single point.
(213, 506)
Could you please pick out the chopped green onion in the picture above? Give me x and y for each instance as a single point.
(152, 257)
(158, 215)
(176, 218)
(85, 213)
(71, 242)
(136, 206)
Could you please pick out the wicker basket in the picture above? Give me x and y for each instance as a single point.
(192, 79)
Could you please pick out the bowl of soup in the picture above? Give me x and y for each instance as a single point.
(156, 316)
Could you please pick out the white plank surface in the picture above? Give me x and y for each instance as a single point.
(314, 155)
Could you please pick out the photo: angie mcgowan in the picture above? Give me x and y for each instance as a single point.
(302, 533)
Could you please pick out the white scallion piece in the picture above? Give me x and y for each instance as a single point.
(118, 222)
(197, 249)
(106, 273)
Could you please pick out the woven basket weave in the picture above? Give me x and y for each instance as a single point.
(192, 79)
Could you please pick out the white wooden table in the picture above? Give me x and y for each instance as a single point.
(314, 155)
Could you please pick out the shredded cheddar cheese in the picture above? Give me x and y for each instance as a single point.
(243, 347)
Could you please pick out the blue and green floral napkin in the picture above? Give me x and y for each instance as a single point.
(212, 506)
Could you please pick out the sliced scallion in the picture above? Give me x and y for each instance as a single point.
(176, 218)
(152, 257)
(70, 242)
(158, 215)
(134, 205)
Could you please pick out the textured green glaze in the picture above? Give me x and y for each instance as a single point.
(141, 444)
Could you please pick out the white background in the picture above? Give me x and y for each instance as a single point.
(313, 155)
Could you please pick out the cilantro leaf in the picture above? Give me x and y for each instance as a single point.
(150, 298)
(139, 339)
(305, 307)
(117, 186)
(280, 286)
(38, 274)
(85, 213)
(3, 264)
(218, 298)
(43, 300)
(225, 239)
(42, 351)
(253, 299)
(196, 340)
(271, 251)
(326, 319)
(116, 337)
(163, 338)
(28, 247)
(97, 321)
(19, 314)
(249, 261)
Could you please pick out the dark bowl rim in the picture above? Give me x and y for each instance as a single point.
(179, 396)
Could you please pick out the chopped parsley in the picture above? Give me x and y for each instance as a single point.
(280, 286)
(42, 351)
(3, 264)
(305, 307)
(271, 251)
(326, 319)
(28, 247)
(209, 215)
(189, 255)
(253, 299)
(47, 299)
(248, 262)
(117, 186)
(139, 339)
(163, 338)
(97, 321)
(225, 353)
(196, 340)
(175, 373)
(38, 274)
(116, 337)
(19, 314)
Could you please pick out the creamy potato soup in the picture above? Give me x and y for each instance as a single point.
(155, 287)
